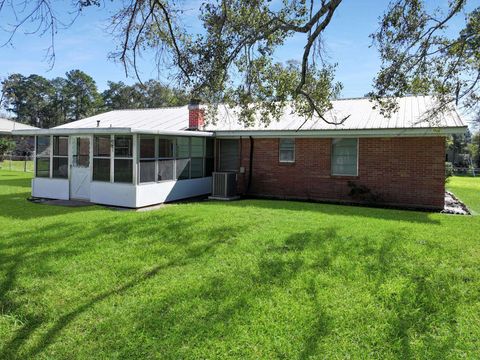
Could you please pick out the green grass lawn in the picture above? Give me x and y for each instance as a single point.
(467, 189)
(17, 165)
(245, 279)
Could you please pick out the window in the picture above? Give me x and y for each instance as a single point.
(42, 160)
(123, 161)
(147, 159)
(81, 152)
(60, 157)
(229, 155)
(123, 146)
(182, 169)
(169, 158)
(198, 154)
(101, 158)
(209, 162)
(344, 157)
(287, 150)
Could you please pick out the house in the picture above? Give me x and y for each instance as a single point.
(24, 144)
(8, 126)
(136, 158)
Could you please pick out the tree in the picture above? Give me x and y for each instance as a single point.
(59, 101)
(421, 56)
(120, 96)
(6, 145)
(80, 95)
(474, 148)
(151, 94)
(231, 59)
(30, 99)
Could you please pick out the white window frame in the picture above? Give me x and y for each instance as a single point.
(331, 158)
(280, 151)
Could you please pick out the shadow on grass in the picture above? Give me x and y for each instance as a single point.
(221, 303)
(71, 241)
(333, 209)
(14, 203)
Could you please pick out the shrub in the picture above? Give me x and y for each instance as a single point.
(362, 193)
(6, 145)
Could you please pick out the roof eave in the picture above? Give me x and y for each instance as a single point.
(409, 132)
(110, 130)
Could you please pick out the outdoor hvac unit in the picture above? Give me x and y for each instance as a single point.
(224, 185)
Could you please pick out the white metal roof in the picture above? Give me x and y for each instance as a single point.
(7, 126)
(173, 119)
(363, 120)
(361, 116)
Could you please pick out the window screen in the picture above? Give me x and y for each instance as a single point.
(123, 162)
(344, 157)
(183, 147)
(60, 157)
(122, 170)
(123, 146)
(287, 150)
(43, 167)
(101, 169)
(101, 158)
(165, 148)
(42, 161)
(147, 159)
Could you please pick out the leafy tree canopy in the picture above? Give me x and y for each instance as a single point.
(45, 103)
(231, 59)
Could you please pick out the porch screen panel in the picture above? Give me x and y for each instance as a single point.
(229, 155)
(60, 157)
(166, 160)
(42, 158)
(101, 158)
(209, 160)
(198, 153)
(123, 161)
(344, 157)
(147, 159)
(182, 168)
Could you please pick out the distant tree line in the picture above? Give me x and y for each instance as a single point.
(45, 103)
(464, 150)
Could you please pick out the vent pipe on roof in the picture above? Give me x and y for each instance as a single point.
(98, 123)
(196, 115)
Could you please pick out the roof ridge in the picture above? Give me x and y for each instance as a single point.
(146, 109)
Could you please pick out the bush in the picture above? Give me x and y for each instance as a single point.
(6, 145)
(448, 170)
(362, 193)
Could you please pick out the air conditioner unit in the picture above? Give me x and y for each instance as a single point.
(224, 186)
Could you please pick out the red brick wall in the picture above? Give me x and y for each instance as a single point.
(404, 171)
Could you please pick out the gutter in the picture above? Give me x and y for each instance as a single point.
(344, 133)
(109, 130)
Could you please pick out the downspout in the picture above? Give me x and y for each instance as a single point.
(250, 165)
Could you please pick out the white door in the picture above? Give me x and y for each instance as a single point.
(80, 168)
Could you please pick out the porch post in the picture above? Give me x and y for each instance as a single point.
(135, 153)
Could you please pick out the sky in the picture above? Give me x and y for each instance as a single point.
(85, 45)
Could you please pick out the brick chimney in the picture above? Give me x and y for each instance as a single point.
(195, 115)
